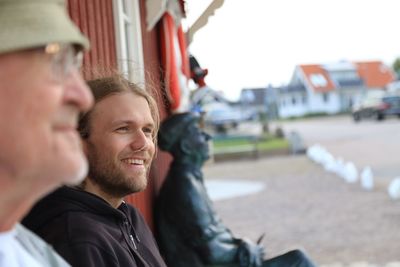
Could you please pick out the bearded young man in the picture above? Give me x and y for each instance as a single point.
(91, 225)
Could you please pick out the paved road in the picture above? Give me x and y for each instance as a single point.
(369, 143)
(301, 205)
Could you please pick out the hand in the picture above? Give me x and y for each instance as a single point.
(250, 254)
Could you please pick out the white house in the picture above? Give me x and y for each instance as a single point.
(330, 88)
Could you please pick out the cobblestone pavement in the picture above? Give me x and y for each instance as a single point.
(337, 224)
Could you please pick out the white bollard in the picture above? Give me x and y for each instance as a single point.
(350, 173)
(394, 188)
(367, 179)
(340, 167)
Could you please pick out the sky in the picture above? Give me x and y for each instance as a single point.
(254, 43)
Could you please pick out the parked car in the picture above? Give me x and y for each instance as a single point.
(377, 105)
(392, 105)
(223, 118)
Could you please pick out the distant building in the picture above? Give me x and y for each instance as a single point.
(393, 87)
(325, 88)
(202, 99)
(254, 98)
(331, 88)
(260, 101)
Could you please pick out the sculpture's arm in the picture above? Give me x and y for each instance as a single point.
(207, 234)
(193, 214)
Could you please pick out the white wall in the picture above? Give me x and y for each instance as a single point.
(331, 106)
(290, 109)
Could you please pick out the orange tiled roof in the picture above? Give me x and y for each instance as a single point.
(375, 73)
(309, 70)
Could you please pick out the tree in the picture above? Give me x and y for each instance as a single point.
(396, 66)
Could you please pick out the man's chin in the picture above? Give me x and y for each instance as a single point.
(139, 185)
(70, 155)
(81, 169)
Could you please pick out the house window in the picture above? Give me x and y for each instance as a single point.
(318, 80)
(294, 100)
(128, 33)
(344, 75)
(325, 97)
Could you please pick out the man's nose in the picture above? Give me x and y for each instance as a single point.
(139, 141)
(76, 92)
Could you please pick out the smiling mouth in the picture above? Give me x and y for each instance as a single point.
(134, 161)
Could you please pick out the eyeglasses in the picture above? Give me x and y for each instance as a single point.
(65, 58)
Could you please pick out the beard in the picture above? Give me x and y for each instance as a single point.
(111, 179)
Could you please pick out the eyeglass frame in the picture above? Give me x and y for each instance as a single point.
(65, 58)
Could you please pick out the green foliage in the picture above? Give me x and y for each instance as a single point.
(275, 143)
(267, 142)
(309, 115)
(396, 66)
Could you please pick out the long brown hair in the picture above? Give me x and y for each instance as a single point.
(116, 84)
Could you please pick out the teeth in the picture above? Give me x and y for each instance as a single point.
(134, 161)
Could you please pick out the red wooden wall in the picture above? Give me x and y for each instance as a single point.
(95, 19)
(145, 200)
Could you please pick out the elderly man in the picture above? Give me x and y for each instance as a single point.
(91, 225)
(189, 230)
(41, 95)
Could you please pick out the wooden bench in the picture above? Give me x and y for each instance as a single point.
(249, 149)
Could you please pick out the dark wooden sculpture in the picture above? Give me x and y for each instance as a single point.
(189, 231)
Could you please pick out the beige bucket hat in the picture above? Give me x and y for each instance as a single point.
(31, 23)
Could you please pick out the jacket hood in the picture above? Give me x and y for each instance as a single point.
(68, 199)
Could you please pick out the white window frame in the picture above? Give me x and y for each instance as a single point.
(318, 80)
(129, 42)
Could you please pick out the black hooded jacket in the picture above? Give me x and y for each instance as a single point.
(87, 231)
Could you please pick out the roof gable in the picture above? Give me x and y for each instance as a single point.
(371, 74)
(317, 78)
(375, 73)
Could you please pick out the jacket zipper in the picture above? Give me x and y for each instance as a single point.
(132, 236)
(133, 241)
